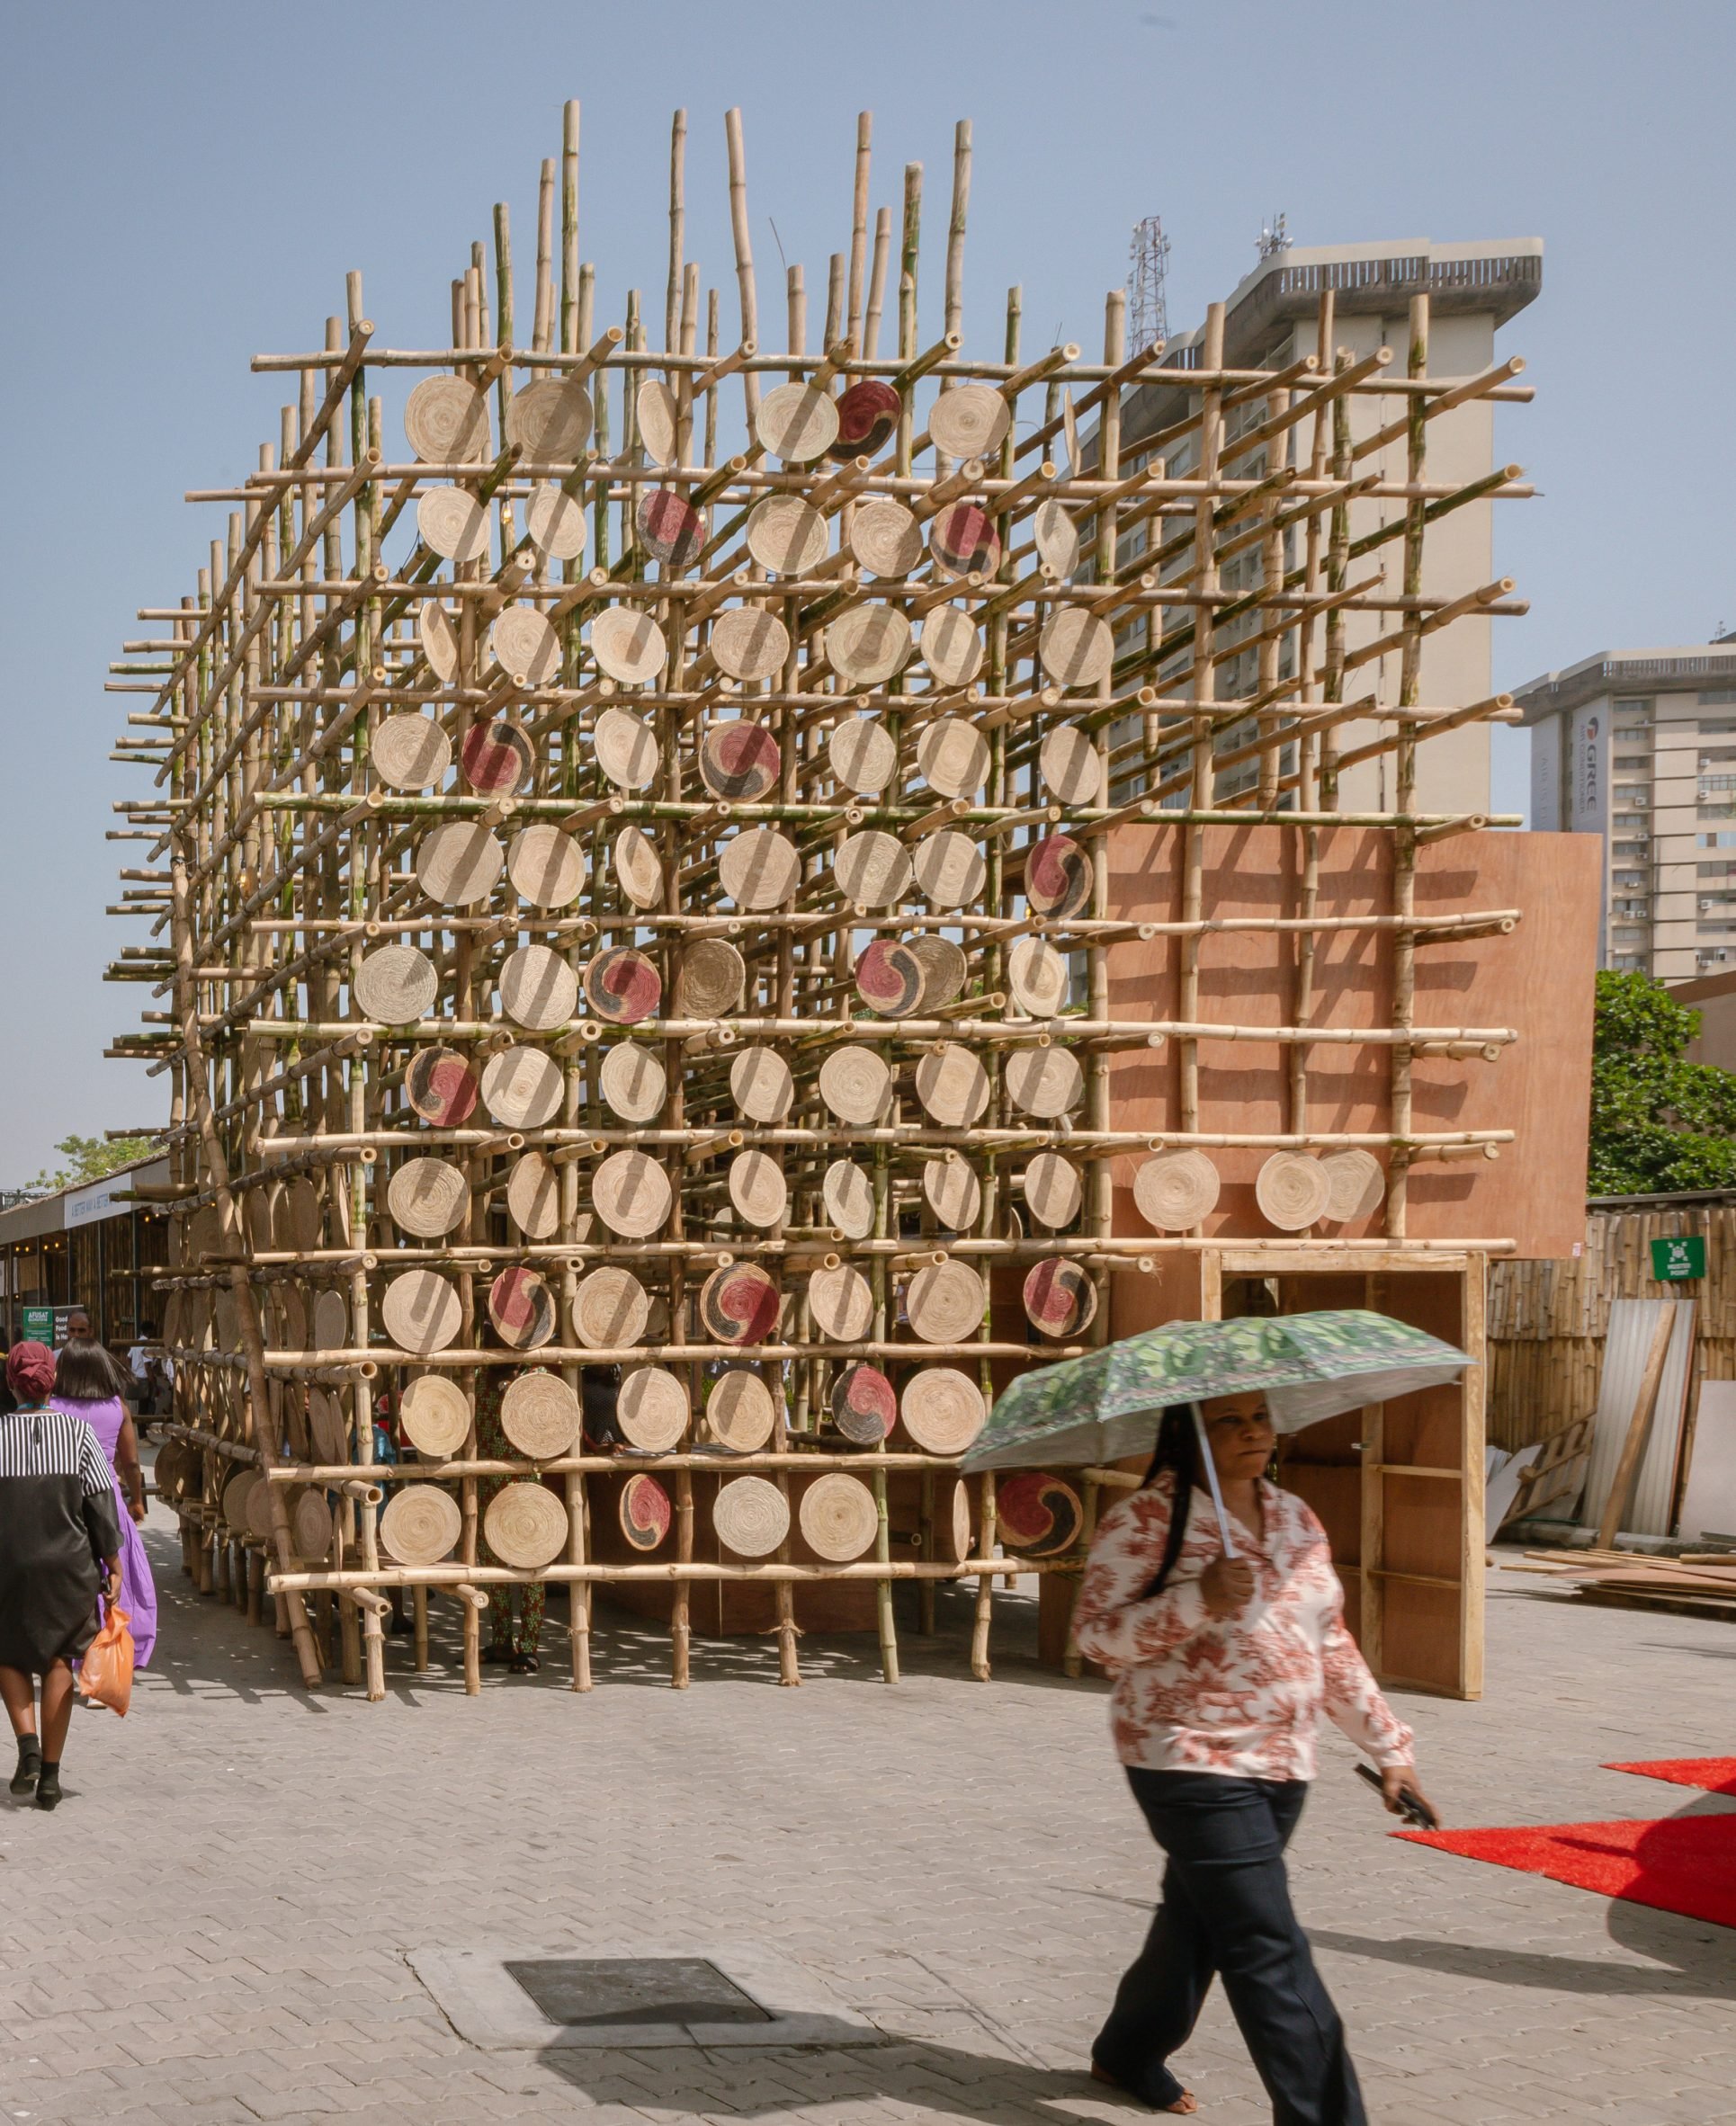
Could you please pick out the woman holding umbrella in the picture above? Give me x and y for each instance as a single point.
(1222, 1621)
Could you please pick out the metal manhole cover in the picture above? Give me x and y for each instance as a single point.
(588, 1992)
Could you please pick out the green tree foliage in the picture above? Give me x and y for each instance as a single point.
(89, 1159)
(1658, 1122)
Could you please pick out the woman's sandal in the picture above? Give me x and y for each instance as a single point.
(525, 1664)
(1185, 2103)
(497, 1654)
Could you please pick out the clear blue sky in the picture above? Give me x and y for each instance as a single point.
(185, 184)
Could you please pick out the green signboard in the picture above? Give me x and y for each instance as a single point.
(39, 1325)
(1679, 1261)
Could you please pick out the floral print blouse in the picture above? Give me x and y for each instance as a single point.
(1239, 1696)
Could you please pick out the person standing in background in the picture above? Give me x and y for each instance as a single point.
(87, 1384)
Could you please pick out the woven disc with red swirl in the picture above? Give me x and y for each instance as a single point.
(622, 986)
(497, 758)
(1057, 878)
(739, 759)
(646, 1514)
(867, 413)
(522, 1307)
(1060, 1296)
(442, 1087)
(670, 526)
(739, 1305)
(864, 1407)
(889, 979)
(963, 538)
(1037, 1513)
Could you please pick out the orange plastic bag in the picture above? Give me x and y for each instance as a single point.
(105, 1673)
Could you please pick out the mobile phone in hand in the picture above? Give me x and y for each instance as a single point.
(1412, 1807)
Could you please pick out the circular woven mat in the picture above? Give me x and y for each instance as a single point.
(652, 1409)
(739, 1412)
(838, 1517)
(526, 1526)
(540, 1415)
(421, 1525)
(751, 1517)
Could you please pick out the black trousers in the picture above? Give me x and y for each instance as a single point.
(1226, 1910)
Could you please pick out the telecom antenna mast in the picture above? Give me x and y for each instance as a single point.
(1147, 307)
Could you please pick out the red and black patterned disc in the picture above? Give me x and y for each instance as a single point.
(1037, 1513)
(889, 979)
(441, 1086)
(497, 758)
(646, 1514)
(739, 1305)
(670, 527)
(1057, 878)
(864, 1407)
(522, 1307)
(963, 538)
(1060, 1296)
(622, 986)
(867, 418)
(739, 760)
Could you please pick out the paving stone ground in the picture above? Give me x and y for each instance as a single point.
(215, 1925)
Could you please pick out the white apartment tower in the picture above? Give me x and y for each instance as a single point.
(1638, 745)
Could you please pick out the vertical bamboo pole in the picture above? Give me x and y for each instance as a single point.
(744, 250)
(677, 224)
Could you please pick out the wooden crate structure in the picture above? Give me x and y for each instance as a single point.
(646, 830)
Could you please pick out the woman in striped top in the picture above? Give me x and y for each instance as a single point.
(59, 1547)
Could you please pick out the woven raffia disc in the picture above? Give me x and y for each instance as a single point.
(396, 984)
(750, 643)
(326, 1428)
(228, 1323)
(1038, 1514)
(709, 978)
(652, 1409)
(452, 524)
(660, 421)
(963, 540)
(886, 539)
(953, 756)
(1057, 538)
(848, 1193)
(638, 867)
(526, 1526)
(522, 1307)
(622, 986)
(1175, 1191)
(546, 867)
(889, 977)
(751, 1517)
(1057, 878)
(522, 1089)
(236, 1493)
(556, 522)
(446, 421)
(1071, 765)
(944, 968)
(797, 423)
(670, 528)
(626, 749)
(738, 1304)
(838, 1517)
(258, 1213)
(1355, 1182)
(631, 1193)
(873, 869)
(610, 1309)
(421, 1525)
(739, 1413)
(952, 1191)
(331, 1322)
(629, 645)
(843, 1303)
(760, 1085)
(409, 753)
(1038, 976)
(1293, 1191)
(539, 1415)
(856, 1083)
(868, 644)
(1077, 648)
(646, 1512)
(862, 754)
(945, 1302)
(950, 869)
(739, 760)
(633, 1082)
(306, 1225)
(867, 416)
(550, 420)
(497, 759)
(538, 989)
(523, 643)
(439, 640)
(953, 1523)
(312, 1528)
(952, 1084)
(259, 1508)
(290, 1311)
(1045, 1082)
(1054, 1191)
(952, 648)
(757, 1188)
(1060, 1298)
(864, 1405)
(459, 863)
(942, 1409)
(533, 1195)
(787, 535)
(421, 1311)
(758, 868)
(427, 1197)
(968, 421)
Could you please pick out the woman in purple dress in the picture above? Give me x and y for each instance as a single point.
(87, 1384)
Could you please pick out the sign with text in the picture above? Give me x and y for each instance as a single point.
(1679, 1261)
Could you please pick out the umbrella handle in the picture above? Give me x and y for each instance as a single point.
(1211, 1480)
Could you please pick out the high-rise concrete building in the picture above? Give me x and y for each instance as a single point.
(1271, 321)
(1638, 745)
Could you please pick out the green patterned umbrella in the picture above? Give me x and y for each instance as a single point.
(1106, 1404)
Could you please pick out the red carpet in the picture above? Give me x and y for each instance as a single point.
(1684, 1864)
(1713, 1775)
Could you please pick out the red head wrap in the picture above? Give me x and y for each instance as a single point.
(30, 1371)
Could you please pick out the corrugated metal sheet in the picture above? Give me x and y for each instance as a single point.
(1632, 1324)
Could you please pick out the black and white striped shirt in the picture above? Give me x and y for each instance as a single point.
(51, 1443)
